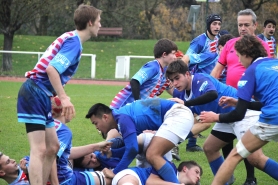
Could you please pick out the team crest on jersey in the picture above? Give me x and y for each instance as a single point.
(241, 83)
(49, 115)
(62, 60)
(203, 86)
(143, 74)
(274, 68)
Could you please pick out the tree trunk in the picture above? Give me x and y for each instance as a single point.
(43, 25)
(7, 57)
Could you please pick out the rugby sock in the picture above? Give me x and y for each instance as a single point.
(167, 173)
(215, 165)
(270, 168)
(189, 135)
(191, 142)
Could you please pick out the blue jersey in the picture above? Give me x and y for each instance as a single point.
(133, 119)
(64, 134)
(141, 115)
(201, 84)
(64, 55)
(261, 80)
(152, 81)
(202, 54)
(271, 43)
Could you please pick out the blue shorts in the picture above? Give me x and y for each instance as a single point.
(33, 105)
(82, 178)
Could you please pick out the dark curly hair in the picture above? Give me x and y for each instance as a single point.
(250, 46)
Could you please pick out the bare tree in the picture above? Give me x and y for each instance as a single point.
(254, 4)
(13, 14)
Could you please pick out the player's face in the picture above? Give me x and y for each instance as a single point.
(181, 81)
(95, 27)
(102, 124)
(245, 25)
(8, 166)
(245, 61)
(90, 161)
(269, 29)
(168, 59)
(215, 27)
(192, 175)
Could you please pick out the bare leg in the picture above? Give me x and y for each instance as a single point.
(212, 147)
(52, 147)
(251, 143)
(37, 155)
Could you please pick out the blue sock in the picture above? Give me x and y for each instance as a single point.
(167, 173)
(191, 142)
(189, 135)
(270, 168)
(215, 165)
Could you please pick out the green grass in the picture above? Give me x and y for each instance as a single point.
(106, 52)
(13, 139)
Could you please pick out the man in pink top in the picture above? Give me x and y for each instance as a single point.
(246, 25)
(222, 134)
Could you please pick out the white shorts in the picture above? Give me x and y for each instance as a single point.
(141, 160)
(179, 121)
(240, 127)
(123, 173)
(265, 132)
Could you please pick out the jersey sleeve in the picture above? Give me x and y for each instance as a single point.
(64, 137)
(146, 72)
(68, 55)
(247, 84)
(201, 85)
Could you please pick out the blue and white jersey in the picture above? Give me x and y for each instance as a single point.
(21, 179)
(271, 43)
(201, 84)
(152, 81)
(64, 134)
(64, 55)
(261, 80)
(141, 115)
(202, 53)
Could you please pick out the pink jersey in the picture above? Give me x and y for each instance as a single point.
(229, 58)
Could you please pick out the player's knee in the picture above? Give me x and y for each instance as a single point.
(52, 149)
(150, 155)
(207, 149)
(241, 150)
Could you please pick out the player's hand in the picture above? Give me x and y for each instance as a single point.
(208, 117)
(104, 146)
(226, 101)
(68, 109)
(176, 100)
(22, 165)
(108, 173)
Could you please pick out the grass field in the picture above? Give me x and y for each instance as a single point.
(106, 52)
(13, 139)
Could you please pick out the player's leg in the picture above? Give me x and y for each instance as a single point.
(220, 136)
(33, 108)
(52, 147)
(178, 122)
(37, 152)
(248, 143)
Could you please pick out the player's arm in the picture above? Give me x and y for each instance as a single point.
(236, 115)
(55, 80)
(217, 70)
(76, 152)
(156, 180)
(203, 99)
(135, 89)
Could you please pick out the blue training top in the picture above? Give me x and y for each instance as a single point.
(201, 84)
(261, 80)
